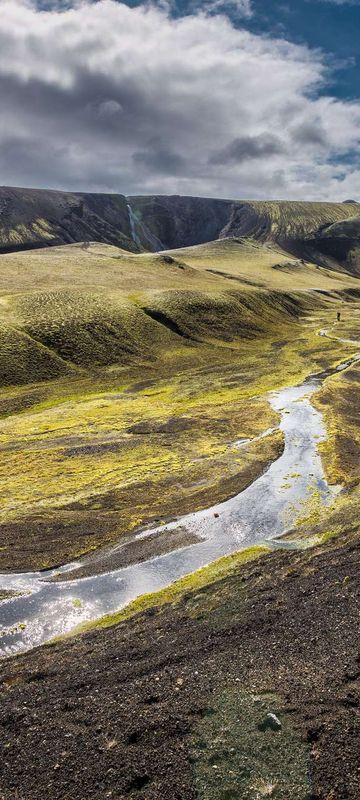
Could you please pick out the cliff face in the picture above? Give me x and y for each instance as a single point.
(340, 241)
(327, 234)
(32, 218)
(180, 221)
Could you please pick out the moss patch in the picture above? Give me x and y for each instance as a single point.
(233, 757)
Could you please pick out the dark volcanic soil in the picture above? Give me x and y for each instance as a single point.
(138, 710)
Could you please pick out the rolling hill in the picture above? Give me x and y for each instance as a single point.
(87, 306)
(136, 387)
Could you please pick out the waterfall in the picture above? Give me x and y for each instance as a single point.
(132, 223)
(148, 238)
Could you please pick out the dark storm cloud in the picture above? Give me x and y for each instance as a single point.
(159, 158)
(310, 133)
(23, 158)
(246, 147)
(108, 106)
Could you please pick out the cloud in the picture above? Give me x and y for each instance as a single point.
(160, 159)
(244, 148)
(311, 134)
(108, 108)
(242, 8)
(339, 2)
(103, 97)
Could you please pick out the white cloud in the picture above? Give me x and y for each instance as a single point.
(103, 97)
(241, 7)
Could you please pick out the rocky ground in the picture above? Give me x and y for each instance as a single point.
(174, 703)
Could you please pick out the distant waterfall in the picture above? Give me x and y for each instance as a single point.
(132, 223)
(148, 238)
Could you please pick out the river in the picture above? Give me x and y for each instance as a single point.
(263, 511)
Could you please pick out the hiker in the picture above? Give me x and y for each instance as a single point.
(338, 316)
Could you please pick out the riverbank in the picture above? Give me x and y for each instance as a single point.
(171, 701)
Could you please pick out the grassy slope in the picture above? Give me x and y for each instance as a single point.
(72, 307)
(326, 234)
(31, 218)
(223, 646)
(97, 265)
(294, 220)
(297, 227)
(249, 263)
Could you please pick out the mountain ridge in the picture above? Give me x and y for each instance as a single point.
(325, 234)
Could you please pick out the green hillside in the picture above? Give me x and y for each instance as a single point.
(84, 307)
(290, 221)
(249, 263)
(124, 377)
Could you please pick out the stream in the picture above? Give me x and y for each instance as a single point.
(266, 509)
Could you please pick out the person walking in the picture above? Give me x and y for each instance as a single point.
(338, 316)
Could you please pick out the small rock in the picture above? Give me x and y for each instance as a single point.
(271, 722)
(216, 515)
(265, 789)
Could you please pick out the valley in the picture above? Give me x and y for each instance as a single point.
(180, 487)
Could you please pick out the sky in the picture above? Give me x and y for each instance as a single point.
(241, 99)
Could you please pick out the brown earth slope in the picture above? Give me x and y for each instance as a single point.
(173, 703)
